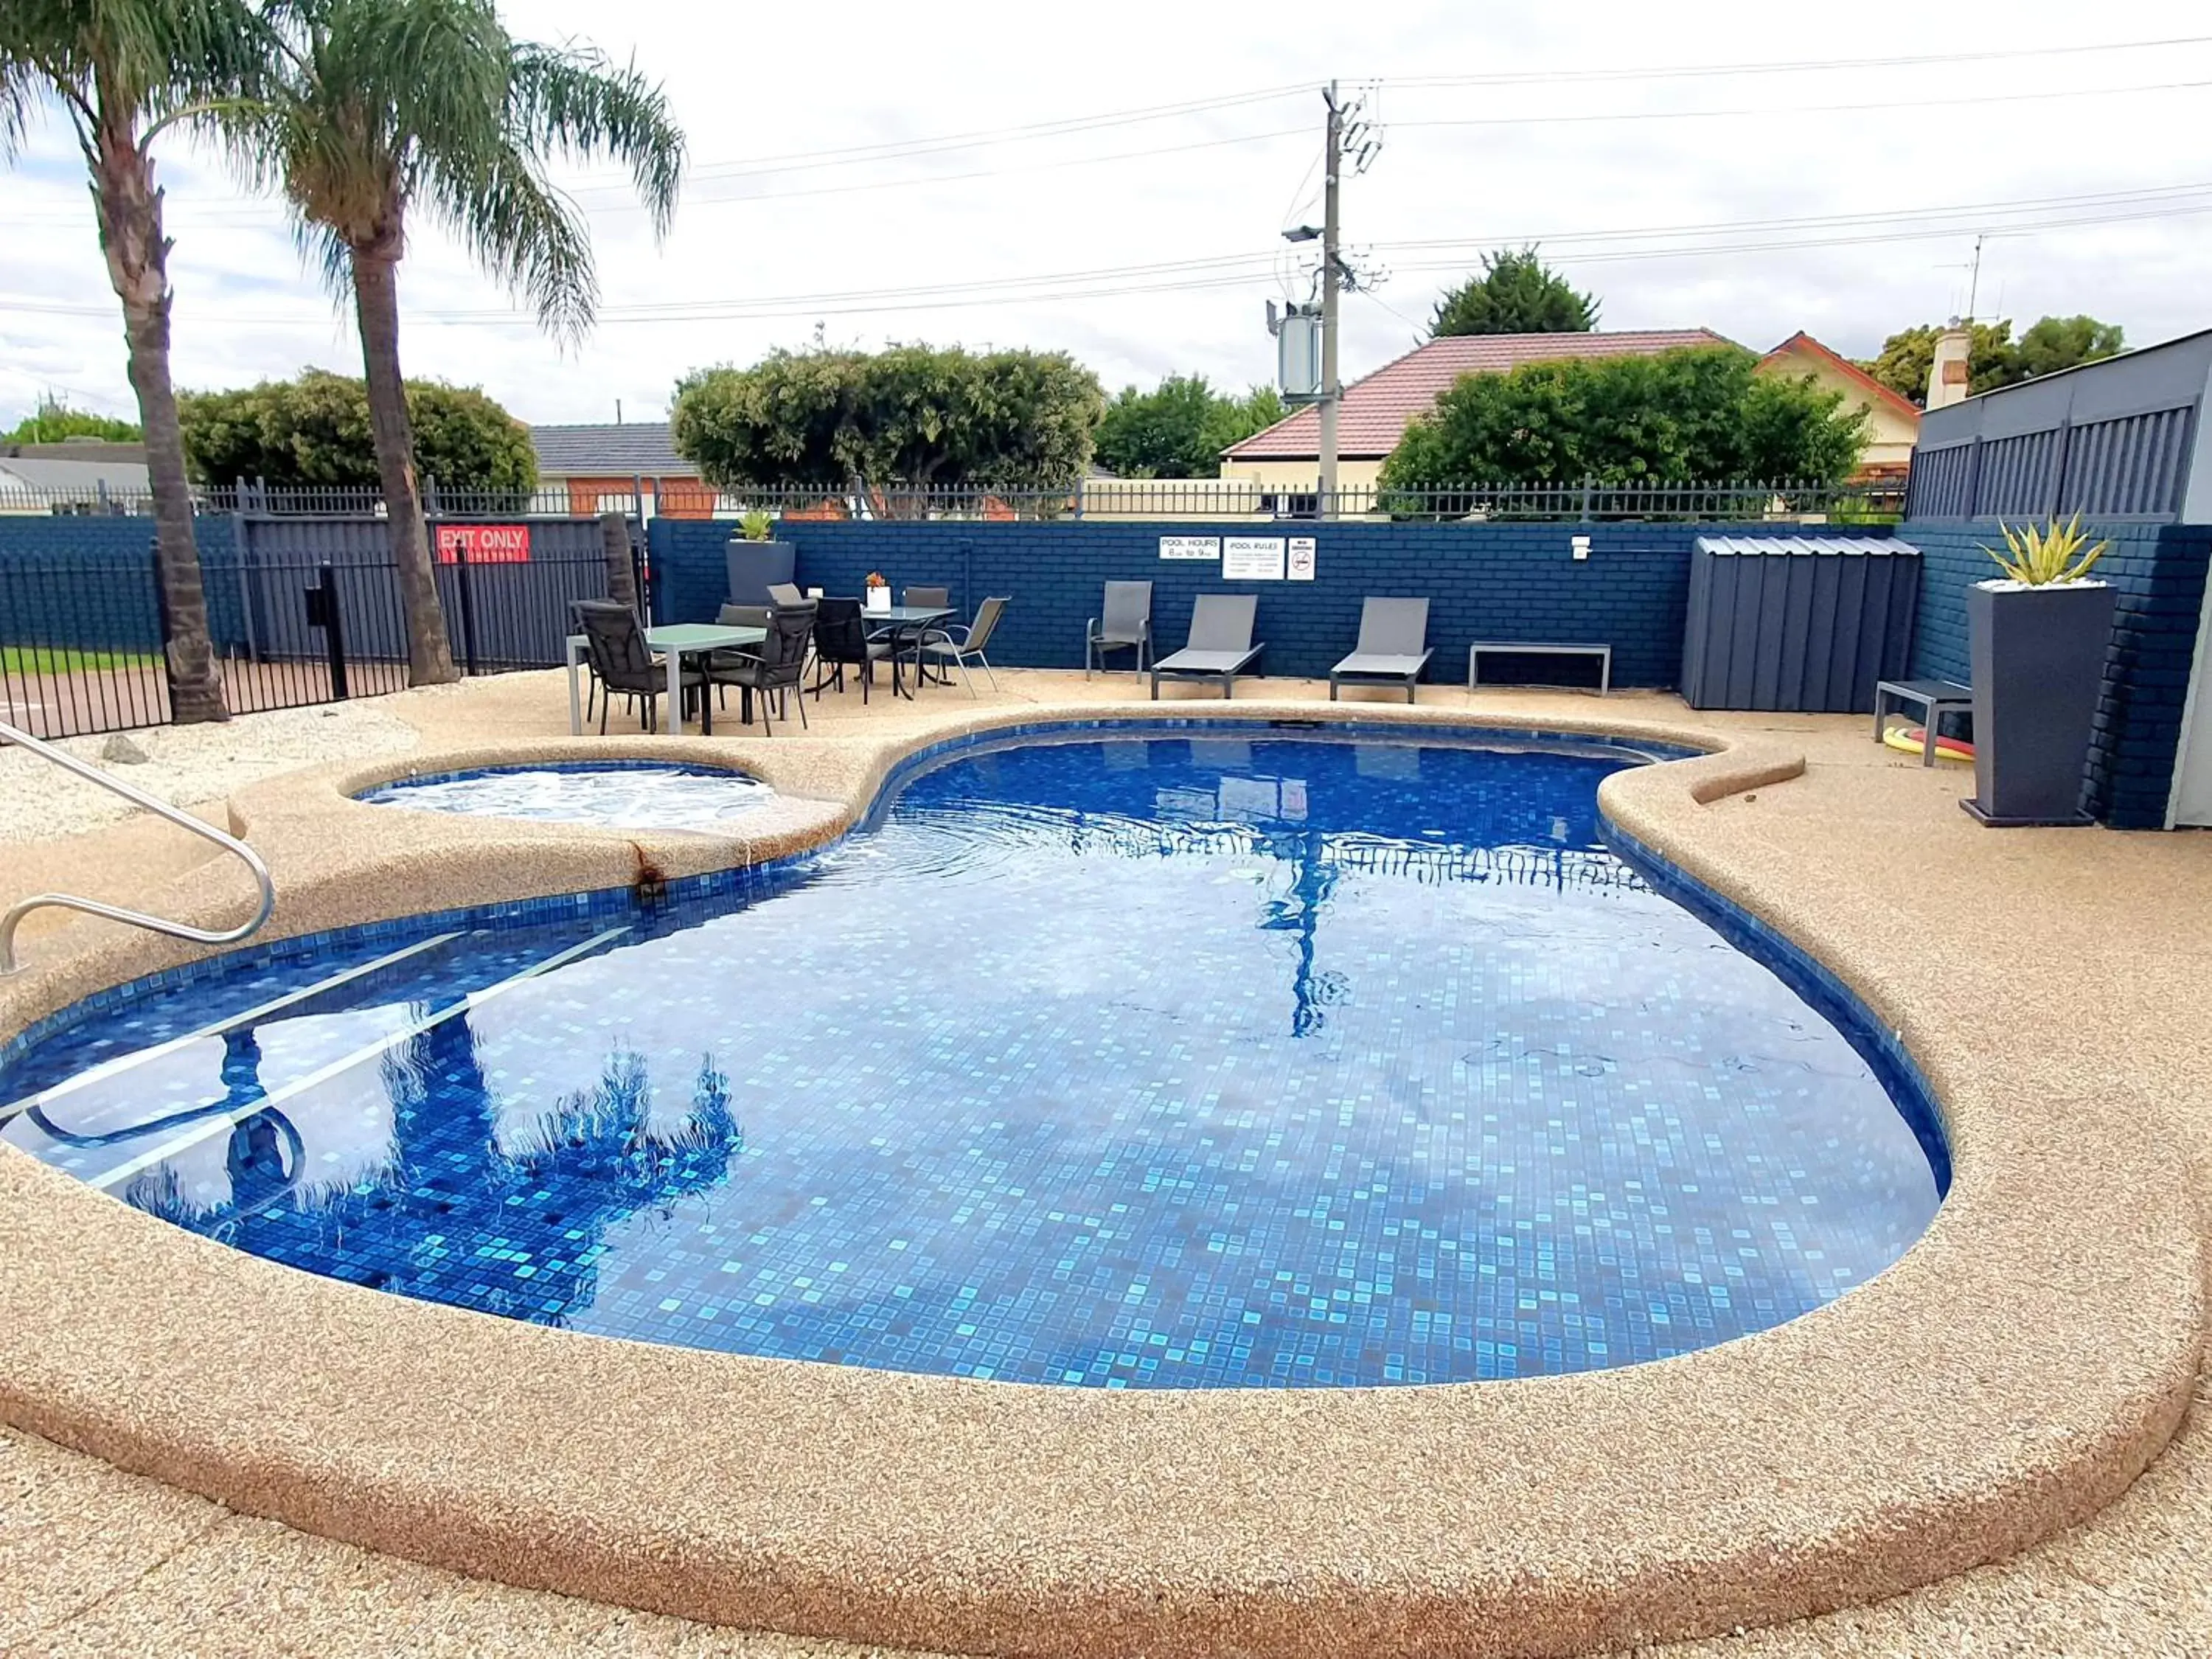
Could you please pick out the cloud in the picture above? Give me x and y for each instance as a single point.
(769, 216)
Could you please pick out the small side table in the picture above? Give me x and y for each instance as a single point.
(1936, 698)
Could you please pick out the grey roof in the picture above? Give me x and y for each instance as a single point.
(610, 450)
(73, 478)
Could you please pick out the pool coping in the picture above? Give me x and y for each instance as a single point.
(1992, 1387)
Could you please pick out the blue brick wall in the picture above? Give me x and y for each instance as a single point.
(88, 582)
(2159, 571)
(1505, 582)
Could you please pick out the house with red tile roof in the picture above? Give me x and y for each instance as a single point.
(1377, 410)
(1893, 421)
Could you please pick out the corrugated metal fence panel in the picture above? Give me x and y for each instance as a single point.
(2135, 463)
(516, 617)
(1798, 623)
(1942, 482)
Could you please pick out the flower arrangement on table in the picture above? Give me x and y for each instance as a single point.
(879, 594)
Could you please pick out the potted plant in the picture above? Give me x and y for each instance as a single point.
(756, 560)
(878, 596)
(2037, 636)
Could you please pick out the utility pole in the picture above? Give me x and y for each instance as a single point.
(1974, 282)
(1331, 393)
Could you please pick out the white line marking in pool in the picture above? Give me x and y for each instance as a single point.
(474, 1000)
(108, 1068)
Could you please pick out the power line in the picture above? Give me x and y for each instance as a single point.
(2005, 216)
(1851, 107)
(1795, 66)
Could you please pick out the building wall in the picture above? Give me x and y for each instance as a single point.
(2160, 573)
(1492, 581)
(674, 498)
(1303, 476)
(1890, 434)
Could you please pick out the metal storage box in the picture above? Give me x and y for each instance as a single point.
(1802, 623)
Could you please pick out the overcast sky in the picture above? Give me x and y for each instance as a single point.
(1134, 217)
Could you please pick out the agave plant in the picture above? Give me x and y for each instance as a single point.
(757, 526)
(2043, 555)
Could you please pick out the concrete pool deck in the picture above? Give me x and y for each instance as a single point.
(2007, 1377)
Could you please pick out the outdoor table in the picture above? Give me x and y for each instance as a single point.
(1936, 698)
(675, 642)
(905, 619)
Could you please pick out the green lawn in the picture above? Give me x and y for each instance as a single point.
(65, 659)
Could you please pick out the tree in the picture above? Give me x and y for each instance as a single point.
(54, 422)
(1516, 294)
(376, 107)
(2056, 342)
(126, 71)
(1702, 414)
(914, 415)
(1994, 358)
(315, 430)
(1179, 429)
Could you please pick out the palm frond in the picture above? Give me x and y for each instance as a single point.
(571, 101)
(526, 233)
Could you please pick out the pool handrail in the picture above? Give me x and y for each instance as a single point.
(182, 820)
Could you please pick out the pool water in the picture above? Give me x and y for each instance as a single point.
(610, 794)
(1228, 1060)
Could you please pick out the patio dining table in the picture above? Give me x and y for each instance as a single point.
(907, 622)
(673, 642)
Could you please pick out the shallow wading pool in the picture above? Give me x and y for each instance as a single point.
(603, 794)
(1118, 1059)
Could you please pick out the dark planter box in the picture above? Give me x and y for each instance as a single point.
(755, 566)
(2038, 663)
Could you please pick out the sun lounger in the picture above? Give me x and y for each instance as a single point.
(1393, 648)
(1220, 645)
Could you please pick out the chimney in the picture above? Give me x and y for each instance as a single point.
(1949, 374)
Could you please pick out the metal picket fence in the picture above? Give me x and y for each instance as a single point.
(1734, 501)
(300, 611)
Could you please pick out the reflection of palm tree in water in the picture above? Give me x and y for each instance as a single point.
(1298, 912)
(458, 1220)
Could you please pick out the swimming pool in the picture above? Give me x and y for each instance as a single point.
(1126, 1060)
(609, 794)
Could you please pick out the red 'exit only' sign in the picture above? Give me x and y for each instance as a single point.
(483, 544)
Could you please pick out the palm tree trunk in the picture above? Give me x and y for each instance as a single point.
(138, 266)
(376, 305)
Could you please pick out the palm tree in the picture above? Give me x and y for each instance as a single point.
(126, 71)
(378, 106)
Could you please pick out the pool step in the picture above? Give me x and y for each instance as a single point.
(221, 1125)
(121, 1063)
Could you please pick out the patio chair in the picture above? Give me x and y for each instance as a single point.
(1127, 622)
(735, 615)
(623, 661)
(1220, 645)
(841, 641)
(938, 646)
(926, 599)
(782, 593)
(1393, 648)
(774, 667)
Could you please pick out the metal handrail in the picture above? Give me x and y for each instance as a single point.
(69, 762)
